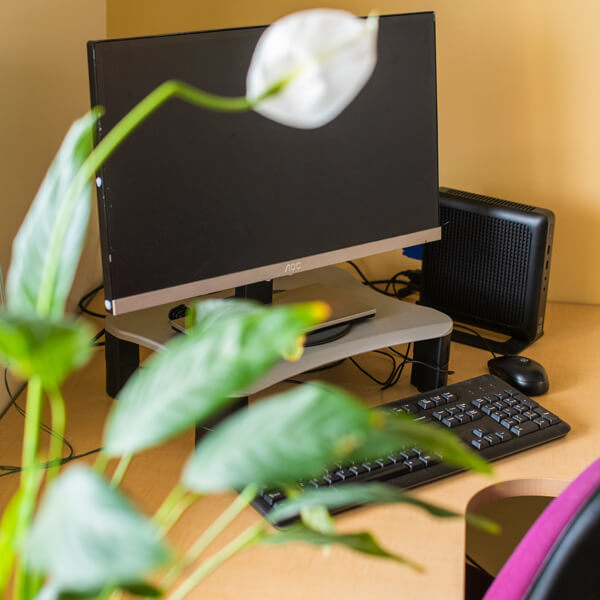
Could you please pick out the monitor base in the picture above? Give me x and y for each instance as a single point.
(394, 323)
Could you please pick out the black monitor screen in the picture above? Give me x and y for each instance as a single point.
(193, 194)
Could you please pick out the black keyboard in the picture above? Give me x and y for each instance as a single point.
(490, 416)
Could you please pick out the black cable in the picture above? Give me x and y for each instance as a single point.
(85, 301)
(395, 377)
(478, 566)
(99, 335)
(420, 362)
(82, 304)
(411, 283)
(474, 331)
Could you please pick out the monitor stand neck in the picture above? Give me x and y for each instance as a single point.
(261, 291)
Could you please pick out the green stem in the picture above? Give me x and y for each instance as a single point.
(234, 509)
(177, 511)
(244, 540)
(170, 502)
(30, 479)
(120, 470)
(101, 462)
(57, 407)
(106, 147)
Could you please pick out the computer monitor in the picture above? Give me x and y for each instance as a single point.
(196, 201)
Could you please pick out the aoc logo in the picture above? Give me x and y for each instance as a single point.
(293, 267)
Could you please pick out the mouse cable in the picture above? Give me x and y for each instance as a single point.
(475, 332)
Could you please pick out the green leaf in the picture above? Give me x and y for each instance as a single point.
(86, 536)
(397, 431)
(360, 542)
(135, 589)
(348, 495)
(7, 532)
(201, 372)
(203, 314)
(49, 213)
(288, 437)
(32, 346)
(317, 518)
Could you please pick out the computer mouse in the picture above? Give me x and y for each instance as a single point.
(525, 374)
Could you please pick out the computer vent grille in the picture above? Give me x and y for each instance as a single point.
(480, 267)
(488, 199)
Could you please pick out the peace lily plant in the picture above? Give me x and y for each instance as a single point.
(83, 538)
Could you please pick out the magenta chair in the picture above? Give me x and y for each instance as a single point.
(559, 557)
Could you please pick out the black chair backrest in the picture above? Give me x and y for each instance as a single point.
(572, 569)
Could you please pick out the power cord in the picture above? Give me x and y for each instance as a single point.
(86, 300)
(410, 284)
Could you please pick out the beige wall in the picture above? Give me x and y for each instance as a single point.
(518, 96)
(43, 71)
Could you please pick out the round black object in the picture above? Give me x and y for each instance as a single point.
(525, 374)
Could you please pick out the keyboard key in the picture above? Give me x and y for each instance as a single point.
(411, 409)
(500, 405)
(491, 439)
(462, 418)
(371, 466)
(358, 469)
(452, 410)
(332, 478)
(474, 414)
(508, 423)
(423, 419)
(524, 428)
(414, 464)
(541, 422)
(551, 418)
(442, 414)
(530, 414)
(509, 411)
(463, 406)
(450, 397)
(511, 401)
(410, 453)
(451, 422)
(488, 409)
(480, 444)
(479, 402)
(426, 403)
(429, 459)
(520, 418)
(529, 403)
(503, 436)
(438, 400)
(274, 497)
(480, 432)
(498, 416)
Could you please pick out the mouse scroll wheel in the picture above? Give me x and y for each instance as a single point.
(524, 361)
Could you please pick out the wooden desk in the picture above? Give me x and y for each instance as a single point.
(569, 351)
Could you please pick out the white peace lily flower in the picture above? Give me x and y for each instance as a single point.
(323, 56)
